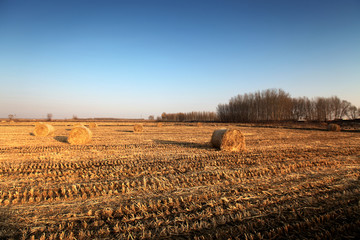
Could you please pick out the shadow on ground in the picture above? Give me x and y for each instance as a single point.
(184, 144)
(61, 139)
(305, 128)
(8, 230)
(127, 131)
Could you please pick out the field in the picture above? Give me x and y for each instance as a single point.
(167, 182)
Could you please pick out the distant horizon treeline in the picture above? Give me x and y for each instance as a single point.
(272, 105)
(189, 117)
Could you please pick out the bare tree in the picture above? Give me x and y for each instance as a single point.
(151, 117)
(353, 112)
(49, 116)
(11, 117)
(164, 116)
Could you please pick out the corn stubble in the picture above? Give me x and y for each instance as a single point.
(288, 184)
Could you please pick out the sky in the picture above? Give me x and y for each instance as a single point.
(132, 59)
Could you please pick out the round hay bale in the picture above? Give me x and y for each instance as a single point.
(138, 127)
(79, 135)
(43, 129)
(199, 124)
(93, 125)
(229, 140)
(159, 124)
(334, 127)
(78, 124)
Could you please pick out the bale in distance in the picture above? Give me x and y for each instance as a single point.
(159, 124)
(93, 125)
(334, 127)
(228, 140)
(199, 124)
(43, 129)
(138, 127)
(79, 135)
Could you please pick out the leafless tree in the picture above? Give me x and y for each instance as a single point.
(49, 116)
(11, 117)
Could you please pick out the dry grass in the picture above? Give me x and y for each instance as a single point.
(289, 184)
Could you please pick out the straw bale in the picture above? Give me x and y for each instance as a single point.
(334, 127)
(79, 135)
(43, 129)
(229, 140)
(93, 125)
(138, 127)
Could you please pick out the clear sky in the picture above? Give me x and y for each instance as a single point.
(136, 58)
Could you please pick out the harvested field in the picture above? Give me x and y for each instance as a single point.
(169, 182)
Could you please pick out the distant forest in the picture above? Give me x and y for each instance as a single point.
(272, 105)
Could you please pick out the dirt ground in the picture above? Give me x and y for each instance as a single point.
(292, 182)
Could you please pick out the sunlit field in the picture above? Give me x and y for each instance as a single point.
(168, 182)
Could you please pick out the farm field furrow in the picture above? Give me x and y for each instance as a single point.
(168, 182)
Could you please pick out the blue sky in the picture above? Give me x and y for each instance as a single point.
(138, 58)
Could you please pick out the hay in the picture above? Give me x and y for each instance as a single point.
(333, 127)
(93, 125)
(199, 124)
(229, 140)
(159, 124)
(79, 135)
(138, 127)
(43, 129)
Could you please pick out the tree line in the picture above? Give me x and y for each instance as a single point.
(189, 117)
(278, 105)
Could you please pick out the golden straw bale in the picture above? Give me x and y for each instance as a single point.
(229, 140)
(93, 125)
(43, 129)
(138, 127)
(80, 135)
(199, 124)
(159, 124)
(333, 127)
(78, 124)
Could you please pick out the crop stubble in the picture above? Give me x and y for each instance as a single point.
(169, 182)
